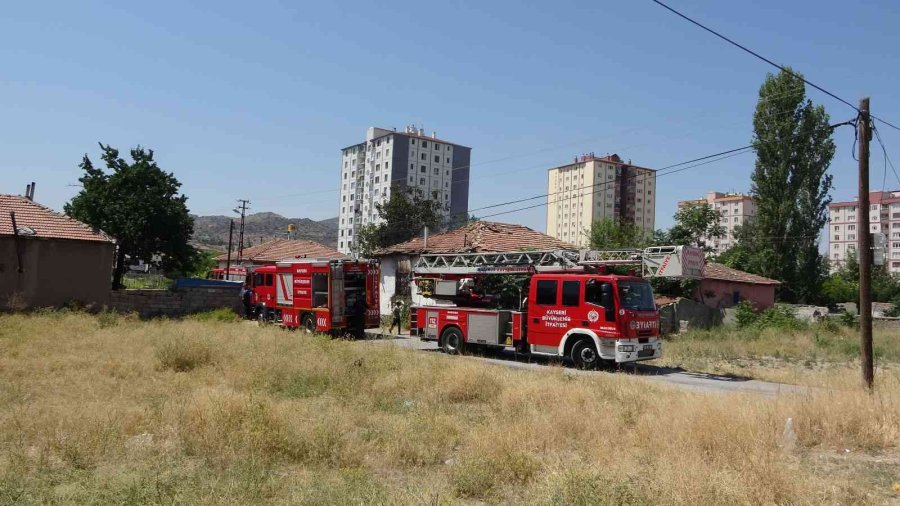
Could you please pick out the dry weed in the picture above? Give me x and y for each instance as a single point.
(93, 412)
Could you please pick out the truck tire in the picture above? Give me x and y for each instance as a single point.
(584, 354)
(309, 324)
(452, 341)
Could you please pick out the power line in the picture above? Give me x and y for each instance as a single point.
(731, 153)
(545, 149)
(887, 158)
(770, 62)
(684, 166)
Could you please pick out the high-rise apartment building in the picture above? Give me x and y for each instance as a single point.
(843, 229)
(735, 209)
(389, 160)
(594, 188)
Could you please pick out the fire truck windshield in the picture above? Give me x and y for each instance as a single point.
(637, 296)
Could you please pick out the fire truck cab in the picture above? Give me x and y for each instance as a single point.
(571, 308)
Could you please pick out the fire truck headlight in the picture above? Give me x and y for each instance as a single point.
(626, 347)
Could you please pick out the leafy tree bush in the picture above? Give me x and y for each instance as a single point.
(778, 317)
(140, 206)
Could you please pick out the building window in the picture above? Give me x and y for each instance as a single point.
(423, 169)
(437, 171)
(423, 156)
(412, 141)
(386, 165)
(437, 158)
(448, 159)
(421, 180)
(412, 166)
(424, 144)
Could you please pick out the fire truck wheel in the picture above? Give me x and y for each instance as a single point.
(309, 324)
(584, 355)
(452, 341)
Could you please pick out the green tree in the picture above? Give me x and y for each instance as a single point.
(614, 234)
(697, 225)
(405, 214)
(137, 203)
(792, 140)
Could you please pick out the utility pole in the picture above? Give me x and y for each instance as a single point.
(242, 209)
(228, 259)
(864, 134)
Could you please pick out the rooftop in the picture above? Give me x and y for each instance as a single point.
(723, 273)
(591, 157)
(413, 135)
(35, 220)
(874, 198)
(481, 236)
(284, 249)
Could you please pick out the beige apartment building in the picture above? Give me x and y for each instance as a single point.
(595, 188)
(736, 209)
(843, 233)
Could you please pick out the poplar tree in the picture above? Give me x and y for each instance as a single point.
(791, 185)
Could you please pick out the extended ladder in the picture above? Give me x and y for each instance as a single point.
(657, 261)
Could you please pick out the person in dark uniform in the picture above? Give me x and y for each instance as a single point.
(395, 317)
(245, 299)
(359, 318)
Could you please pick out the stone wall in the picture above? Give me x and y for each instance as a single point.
(182, 301)
(695, 314)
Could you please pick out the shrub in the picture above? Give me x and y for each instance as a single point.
(184, 354)
(848, 319)
(222, 314)
(778, 317)
(745, 314)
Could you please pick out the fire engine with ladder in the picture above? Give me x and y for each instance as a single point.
(570, 305)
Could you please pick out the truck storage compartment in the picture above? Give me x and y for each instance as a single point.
(486, 328)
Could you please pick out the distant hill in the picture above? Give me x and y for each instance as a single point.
(212, 231)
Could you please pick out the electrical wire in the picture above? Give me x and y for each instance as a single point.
(770, 62)
(530, 153)
(887, 158)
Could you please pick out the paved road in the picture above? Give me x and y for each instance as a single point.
(694, 381)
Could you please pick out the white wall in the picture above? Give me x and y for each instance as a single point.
(387, 284)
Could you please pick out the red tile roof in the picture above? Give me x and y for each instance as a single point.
(481, 236)
(35, 220)
(723, 273)
(284, 249)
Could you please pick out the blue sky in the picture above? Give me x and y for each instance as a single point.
(255, 101)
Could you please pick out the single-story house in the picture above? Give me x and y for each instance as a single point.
(397, 261)
(269, 252)
(723, 287)
(49, 259)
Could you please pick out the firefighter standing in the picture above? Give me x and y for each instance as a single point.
(395, 320)
(359, 318)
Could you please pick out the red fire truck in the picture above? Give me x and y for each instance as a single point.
(570, 306)
(317, 295)
(234, 274)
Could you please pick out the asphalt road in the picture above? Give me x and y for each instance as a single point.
(687, 380)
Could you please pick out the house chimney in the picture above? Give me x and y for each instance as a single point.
(33, 184)
(433, 134)
(425, 239)
(27, 191)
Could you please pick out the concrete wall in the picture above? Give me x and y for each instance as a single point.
(720, 294)
(55, 272)
(694, 313)
(178, 302)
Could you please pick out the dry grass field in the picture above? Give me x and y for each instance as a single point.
(817, 355)
(106, 409)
